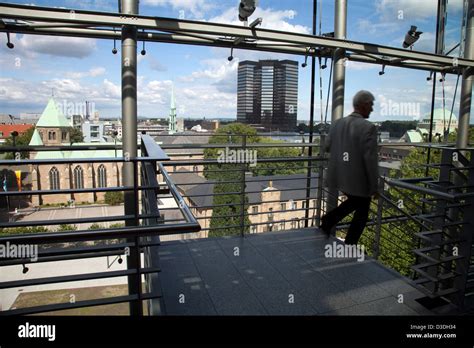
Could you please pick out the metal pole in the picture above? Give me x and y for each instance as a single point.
(340, 20)
(439, 46)
(242, 189)
(462, 141)
(129, 122)
(311, 125)
(467, 79)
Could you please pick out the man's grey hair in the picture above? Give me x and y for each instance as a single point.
(362, 97)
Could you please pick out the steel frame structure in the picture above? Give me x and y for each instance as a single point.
(92, 24)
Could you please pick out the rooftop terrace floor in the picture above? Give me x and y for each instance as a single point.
(278, 273)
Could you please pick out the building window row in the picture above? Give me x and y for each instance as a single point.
(78, 178)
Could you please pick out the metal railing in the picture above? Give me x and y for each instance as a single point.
(397, 226)
(129, 241)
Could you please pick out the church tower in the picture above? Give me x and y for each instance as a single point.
(52, 127)
(172, 123)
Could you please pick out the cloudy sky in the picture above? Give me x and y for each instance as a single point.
(204, 81)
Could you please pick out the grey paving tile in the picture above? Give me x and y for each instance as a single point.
(356, 286)
(264, 279)
(394, 283)
(235, 298)
(229, 292)
(322, 294)
(184, 291)
(278, 273)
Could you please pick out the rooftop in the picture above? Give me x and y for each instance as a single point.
(279, 273)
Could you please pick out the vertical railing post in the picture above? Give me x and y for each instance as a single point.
(311, 124)
(242, 187)
(378, 227)
(319, 192)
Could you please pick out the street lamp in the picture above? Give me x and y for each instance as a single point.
(114, 135)
(14, 134)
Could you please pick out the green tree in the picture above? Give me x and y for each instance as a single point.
(398, 239)
(75, 135)
(228, 202)
(23, 139)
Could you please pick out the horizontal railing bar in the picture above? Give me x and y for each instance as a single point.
(208, 182)
(69, 305)
(74, 277)
(66, 221)
(248, 192)
(83, 190)
(77, 160)
(419, 189)
(111, 233)
(240, 169)
(258, 160)
(176, 194)
(249, 204)
(75, 253)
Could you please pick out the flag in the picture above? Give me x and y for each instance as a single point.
(5, 183)
(18, 179)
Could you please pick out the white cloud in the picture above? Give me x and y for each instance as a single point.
(277, 20)
(111, 90)
(196, 8)
(397, 10)
(74, 47)
(94, 72)
(217, 69)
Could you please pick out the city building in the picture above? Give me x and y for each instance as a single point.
(7, 129)
(442, 120)
(52, 129)
(267, 94)
(275, 203)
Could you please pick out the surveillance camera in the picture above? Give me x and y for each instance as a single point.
(381, 73)
(143, 52)
(230, 58)
(411, 37)
(114, 51)
(246, 8)
(303, 65)
(10, 45)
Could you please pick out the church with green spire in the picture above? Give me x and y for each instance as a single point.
(53, 129)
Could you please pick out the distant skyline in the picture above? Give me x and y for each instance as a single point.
(205, 82)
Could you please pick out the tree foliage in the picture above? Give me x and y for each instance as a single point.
(75, 135)
(23, 139)
(114, 197)
(398, 239)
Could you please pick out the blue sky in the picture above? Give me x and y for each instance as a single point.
(205, 82)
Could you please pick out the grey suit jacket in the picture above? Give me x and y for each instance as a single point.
(353, 156)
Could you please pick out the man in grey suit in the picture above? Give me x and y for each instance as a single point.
(353, 166)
